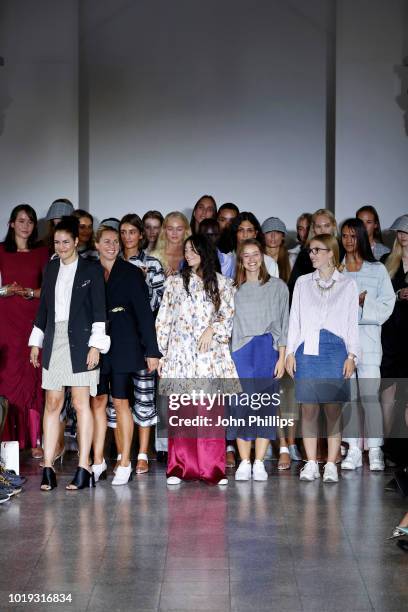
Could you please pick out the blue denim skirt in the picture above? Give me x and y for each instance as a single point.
(255, 363)
(319, 378)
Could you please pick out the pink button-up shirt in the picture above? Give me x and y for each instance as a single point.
(335, 310)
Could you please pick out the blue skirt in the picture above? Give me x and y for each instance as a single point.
(319, 378)
(255, 363)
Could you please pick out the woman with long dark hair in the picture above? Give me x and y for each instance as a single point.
(246, 226)
(376, 303)
(152, 222)
(194, 325)
(21, 269)
(369, 216)
(86, 244)
(70, 327)
(204, 208)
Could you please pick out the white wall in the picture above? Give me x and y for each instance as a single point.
(372, 145)
(190, 97)
(38, 104)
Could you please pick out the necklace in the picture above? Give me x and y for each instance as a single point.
(324, 286)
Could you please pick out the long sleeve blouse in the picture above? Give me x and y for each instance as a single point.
(313, 309)
(182, 319)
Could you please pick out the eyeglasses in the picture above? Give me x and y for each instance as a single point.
(316, 250)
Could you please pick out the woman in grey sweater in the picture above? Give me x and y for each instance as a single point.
(258, 350)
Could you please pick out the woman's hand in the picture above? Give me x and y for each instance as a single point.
(152, 363)
(403, 294)
(160, 366)
(349, 367)
(34, 354)
(280, 367)
(93, 358)
(291, 365)
(361, 298)
(204, 342)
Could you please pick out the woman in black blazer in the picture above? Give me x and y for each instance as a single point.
(133, 344)
(70, 327)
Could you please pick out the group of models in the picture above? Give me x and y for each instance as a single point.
(207, 301)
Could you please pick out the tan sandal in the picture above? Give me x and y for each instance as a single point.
(284, 463)
(142, 465)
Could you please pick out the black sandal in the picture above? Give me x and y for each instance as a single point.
(83, 479)
(49, 479)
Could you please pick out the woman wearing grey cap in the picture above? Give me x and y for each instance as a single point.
(275, 231)
(58, 209)
(394, 334)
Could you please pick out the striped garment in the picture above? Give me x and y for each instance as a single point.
(155, 276)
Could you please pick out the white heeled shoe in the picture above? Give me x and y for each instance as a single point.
(100, 471)
(123, 475)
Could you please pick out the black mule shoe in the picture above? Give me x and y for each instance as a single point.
(83, 479)
(49, 479)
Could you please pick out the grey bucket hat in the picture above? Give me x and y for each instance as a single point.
(400, 224)
(58, 209)
(274, 224)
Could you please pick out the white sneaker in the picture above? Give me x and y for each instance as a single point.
(122, 475)
(310, 471)
(223, 481)
(100, 470)
(330, 473)
(376, 459)
(173, 480)
(353, 459)
(244, 470)
(294, 453)
(258, 471)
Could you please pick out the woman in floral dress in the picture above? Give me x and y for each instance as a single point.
(194, 326)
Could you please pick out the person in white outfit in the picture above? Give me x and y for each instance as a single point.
(376, 302)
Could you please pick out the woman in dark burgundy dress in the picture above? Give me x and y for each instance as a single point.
(21, 266)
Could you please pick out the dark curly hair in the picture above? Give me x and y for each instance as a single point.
(208, 268)
(10, 240)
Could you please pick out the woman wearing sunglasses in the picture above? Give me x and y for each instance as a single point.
(322, 345)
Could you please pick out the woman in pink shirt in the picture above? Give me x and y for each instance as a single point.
(323, 343)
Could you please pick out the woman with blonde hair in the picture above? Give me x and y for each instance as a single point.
(394, 333)
(323, 222)
(170, 243)
(323, 341)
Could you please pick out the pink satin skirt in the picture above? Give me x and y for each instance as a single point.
(196, 459)
(197, 453)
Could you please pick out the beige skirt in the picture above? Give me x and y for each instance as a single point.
(59, 373)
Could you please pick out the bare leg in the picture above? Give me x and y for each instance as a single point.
(54, 401)
(244, 447)
(333, 417)
(310, 416)
(387, 402)
(261, 444)
(142, 465)
(98, 405)
(80, 401)
(125, 426)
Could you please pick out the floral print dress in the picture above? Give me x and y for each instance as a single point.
(181, 321)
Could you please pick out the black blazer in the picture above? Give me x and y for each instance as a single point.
(130, 320)
(87, 307)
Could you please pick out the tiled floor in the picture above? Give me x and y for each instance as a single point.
(278, 545)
